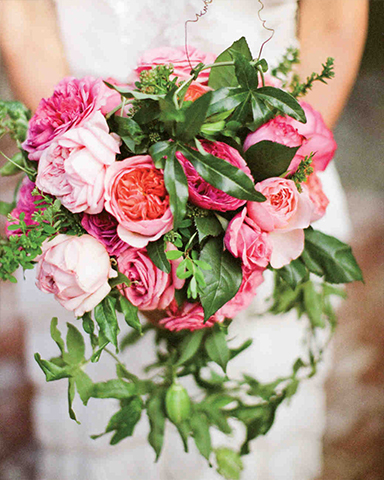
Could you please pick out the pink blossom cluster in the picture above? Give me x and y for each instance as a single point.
(124, 203)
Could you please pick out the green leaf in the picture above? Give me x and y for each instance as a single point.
(260, 112)
(330, 257)
(177, 187)
(115, 388)
(245, 73)
(127, 92)
(11, 168)
(75, 346)
(156, 415)
(313, 305)
(217, 348)
(226, 99)
(6, 208)
(156, 252)
(225, 76)
(223, 280)
(208, 226)
(125, 420)
(71, 396)
(105, 316)
(294, 273)
(121, 279)
(56, 335)
(201, 435)
(194, 118)
(189, 346)
(263, 417)
(158, 152)
(229, 463)
(84, 385)
(236, 351)
(52, 371)
(130, 313)
(184, 431)
(283, 101)
(222, 175)
(269, 159)
(102, 343)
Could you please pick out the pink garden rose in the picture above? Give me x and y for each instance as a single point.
(151, 288)
(317, 196)
(135, 194)
(189, 317)
(318, 138)
(245, 240)
(280, 131)
(76, 270)
(252, 279)
(284, 214)
(25, 203)
(103, 227)
(178, 58)
(73, 167)
(201, 193)
(195, 90)
(73, 102)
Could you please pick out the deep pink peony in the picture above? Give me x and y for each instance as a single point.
(76, 270)
(151, 288)
(135, 194)
(280, 131)
(317, 196)
(245, 240)
(73, 102)
(252, 279)
(318, 138)
(25, 203)
(189, 317)
(284, 214)
(103, 227)
(201, 193)
(73, 168)
(178, 58)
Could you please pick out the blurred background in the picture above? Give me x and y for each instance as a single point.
(354, 439)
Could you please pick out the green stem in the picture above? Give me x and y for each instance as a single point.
(14, 163)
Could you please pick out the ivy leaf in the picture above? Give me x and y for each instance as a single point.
(208, 226)
(75, 346)
(269, 159)
(245, 73)
(331, 258)
(223, 280)
(189, 346)
(51, 370)
(177, 187)
(260, 112)
(115, 388)
(105, 316)
(130, 313)
(283, 101)
(201, 435)
(156, 252)
(56, 335)
(71, 396)
(294, 273)
(121, 279)
(217, 348)
(194, 118)
(229, 463)
(225, 76)
(226, 99)
(84, 385)
(156, 415)
(158, 152)
(222, 175)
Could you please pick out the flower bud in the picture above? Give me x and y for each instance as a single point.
(177, 403)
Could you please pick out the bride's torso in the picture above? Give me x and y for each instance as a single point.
(105, 37)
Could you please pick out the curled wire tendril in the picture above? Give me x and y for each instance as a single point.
(265, 27)
(200, 14)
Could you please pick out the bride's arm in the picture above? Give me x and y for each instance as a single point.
(31, 48)
(332, 28)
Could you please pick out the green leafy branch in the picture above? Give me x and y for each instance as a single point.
(300, 89)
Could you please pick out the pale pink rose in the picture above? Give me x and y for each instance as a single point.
(280, 131)
(73, 168)
(188, 317)
(135, 195)
(317, 196)
(76, 270)
(201, 193)
(252, 279)
(178, 58)
(284, 214)
(73, 102)
(318, 138)
(151, 288)
(245, 240)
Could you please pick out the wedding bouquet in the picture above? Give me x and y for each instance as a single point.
(171, 196)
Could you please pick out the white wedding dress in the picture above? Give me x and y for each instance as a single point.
(104, 38)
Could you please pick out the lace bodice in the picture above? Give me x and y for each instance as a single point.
(105, 37)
